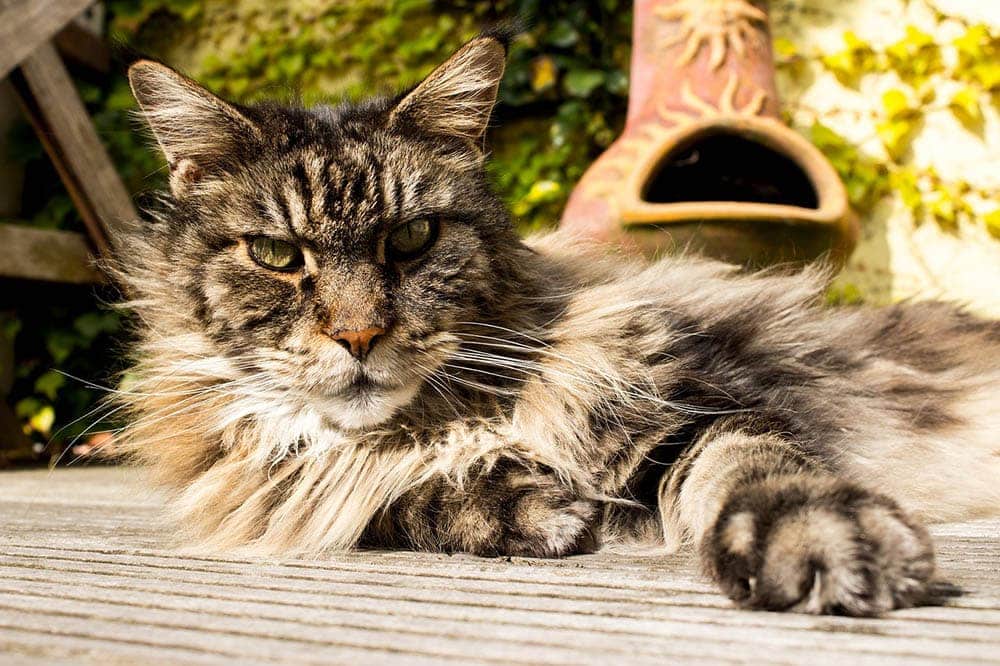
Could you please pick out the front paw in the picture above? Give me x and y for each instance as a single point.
(517, 511)
(817, 546)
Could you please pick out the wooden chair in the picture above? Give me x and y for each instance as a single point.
(29, 33)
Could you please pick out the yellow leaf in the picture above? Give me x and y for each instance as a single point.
(965, 107)
(543, 190)
(915, 57)
(943, 210)
(42, 420)
(844, 294)
(895, 103)
(972, 45)
(992, 221)
(855, 43)
(856, 59)
(785, 48)
(987, 74)
(896, 136)
(543, 73)
(904, 181)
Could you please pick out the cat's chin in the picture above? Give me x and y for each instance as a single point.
(367, 409)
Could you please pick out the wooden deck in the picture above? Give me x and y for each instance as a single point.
(87, 575)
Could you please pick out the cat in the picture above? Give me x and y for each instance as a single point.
(342, 342)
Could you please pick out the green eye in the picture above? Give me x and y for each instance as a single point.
(411, 239)
(275, 254)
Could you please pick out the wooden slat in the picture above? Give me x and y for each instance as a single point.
(45, 254)
(27, 24)
(86, 571)
(61, 122)
(80, 46)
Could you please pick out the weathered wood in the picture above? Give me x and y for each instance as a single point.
(46, 254)
(78, 45)
(27, 24)
(14, 444)
(61, 122)
(87, 572)
(13, 441)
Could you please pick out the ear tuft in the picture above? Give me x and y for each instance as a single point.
(457, 98)
(197, 131)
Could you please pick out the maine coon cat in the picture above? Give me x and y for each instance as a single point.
(343, 342)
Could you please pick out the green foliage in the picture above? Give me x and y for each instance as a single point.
(563, 101)
(864, 178)
(920, 64)
(54, 339)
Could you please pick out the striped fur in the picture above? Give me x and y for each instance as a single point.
(530, 397)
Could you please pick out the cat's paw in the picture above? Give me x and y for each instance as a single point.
(526, 513)
(818, 546)
(545, 524)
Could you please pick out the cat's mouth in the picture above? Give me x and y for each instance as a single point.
(366, 402)
(362, 386)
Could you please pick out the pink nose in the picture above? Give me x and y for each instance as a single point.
(359, 343)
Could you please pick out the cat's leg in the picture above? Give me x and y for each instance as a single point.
(507, 508)
(779, 531)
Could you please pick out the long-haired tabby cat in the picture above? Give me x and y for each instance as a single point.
(343, 342)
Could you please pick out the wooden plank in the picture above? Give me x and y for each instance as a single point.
(55, 110)
(27, 24)
(46, 254)
(86, 569)
(78, 45)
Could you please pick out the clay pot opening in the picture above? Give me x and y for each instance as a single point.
(721, 165)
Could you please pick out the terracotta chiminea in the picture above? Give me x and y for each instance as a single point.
(704, 163)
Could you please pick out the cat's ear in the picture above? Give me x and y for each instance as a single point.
(198, 132)
(457, 98)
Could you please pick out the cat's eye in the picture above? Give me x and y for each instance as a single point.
(411, 239)
(278, 255)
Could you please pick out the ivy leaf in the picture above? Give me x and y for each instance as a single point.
(987, 74)
(42, 420)
(10, 326)
(543, 190)
(915, 57)
(978, 52)
(992, 222)
(291, 64)
(904, 181)
(543, 73)
(38, 415)
(785, 48)
(583, 82)
(60, 345)
(856, 59)
(895, 103)
(965, 107)
(844, 294)
(900, 124)
(563, 34)
(92, 324)
(972, 43)
(49, 384)
(948, 205)
(617, 83)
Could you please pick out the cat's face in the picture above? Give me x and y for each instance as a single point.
(330, 252)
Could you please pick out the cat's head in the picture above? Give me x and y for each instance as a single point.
(328, 250)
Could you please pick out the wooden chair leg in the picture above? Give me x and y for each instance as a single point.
(13, 442)
(60, 120)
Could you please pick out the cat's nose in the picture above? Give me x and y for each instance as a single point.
(359, 342)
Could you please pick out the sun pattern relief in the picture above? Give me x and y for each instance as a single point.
(647, 137)
(719, 24)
